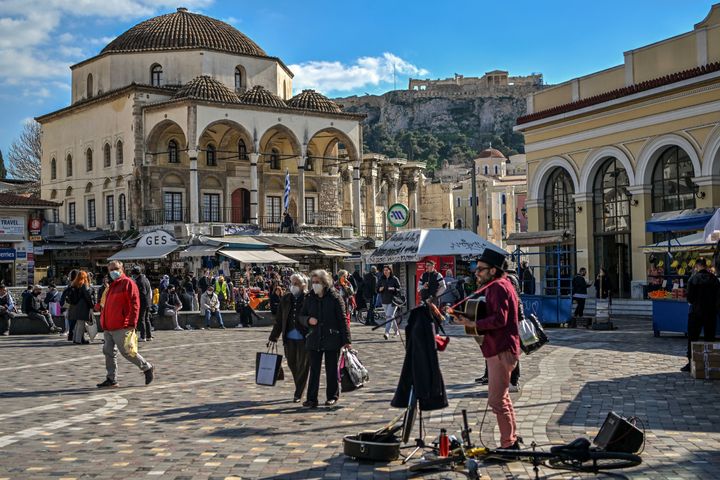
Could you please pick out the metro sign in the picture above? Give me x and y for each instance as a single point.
(398, 215)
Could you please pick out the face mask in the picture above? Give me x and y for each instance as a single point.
(210, 292)
(317, 288)
(115, 274)
(295, 290)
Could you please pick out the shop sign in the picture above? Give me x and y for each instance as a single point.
(14, 226)
(36, 238)
(39, 250)
(158, 238)
(35, 226)
(178, 265)
(7, 254)
(398, 215)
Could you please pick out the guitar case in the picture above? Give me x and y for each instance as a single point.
(372, 446)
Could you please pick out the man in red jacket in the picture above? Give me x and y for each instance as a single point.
(119, 319)
(501, 345)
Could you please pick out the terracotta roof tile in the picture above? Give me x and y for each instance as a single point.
(312, 100)
(491, 153)
(184, 30)
(620, 92)
(12, 200)
(259, 95)
(205, 87)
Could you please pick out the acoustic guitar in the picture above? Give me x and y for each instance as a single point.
(472, 309)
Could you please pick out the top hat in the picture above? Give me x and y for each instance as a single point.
(492, 258)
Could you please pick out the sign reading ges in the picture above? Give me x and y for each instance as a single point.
(398, 215)
(158, 238)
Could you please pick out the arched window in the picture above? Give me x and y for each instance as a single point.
(173, 156)
(88, 160)
(156, 75)
(211, 155)
(275, 159)
(309, 162)
(122, 207)
(485, 170)
(611, 221)
(242, 150)
(53, 169)
(559, 215)
(107, 161)
(119, 153)
(68, 166)
(672, 186)
(239, 78)
(496, 169)
(89, 85)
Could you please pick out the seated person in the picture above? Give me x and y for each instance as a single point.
(210, 307)
(170, 305)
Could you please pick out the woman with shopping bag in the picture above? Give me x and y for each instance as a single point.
(328, 332)
(80, 299)
(292, 331)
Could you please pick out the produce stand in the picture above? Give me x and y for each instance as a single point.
(672, 262)
(554, 305)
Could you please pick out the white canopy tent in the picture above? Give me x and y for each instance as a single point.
(144, 253)
(414, 245)
(257, 256)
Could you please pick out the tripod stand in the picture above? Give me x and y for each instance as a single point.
(408, 423)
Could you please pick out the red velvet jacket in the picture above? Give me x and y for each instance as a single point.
(501, 324)
(122, 305)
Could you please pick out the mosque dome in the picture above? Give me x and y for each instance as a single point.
(259, 95)
(207, 88)
(312, 100)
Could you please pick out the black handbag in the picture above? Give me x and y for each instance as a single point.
(532, 335)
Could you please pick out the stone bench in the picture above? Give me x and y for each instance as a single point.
(23, 325)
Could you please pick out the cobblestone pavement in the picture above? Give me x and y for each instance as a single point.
(204, 417)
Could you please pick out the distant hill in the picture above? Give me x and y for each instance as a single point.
(448, 123)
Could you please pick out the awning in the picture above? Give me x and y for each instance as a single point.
(537, 239)
(144, 253)
(679, 221)
(333, 253)
(689, 243)
(296, 251)
(200, 251)
(256, 256)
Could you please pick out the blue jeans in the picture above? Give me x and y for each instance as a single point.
(209, 314)
(390, 310)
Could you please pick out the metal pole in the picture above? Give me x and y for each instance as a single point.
(384, 218)
(473, 181)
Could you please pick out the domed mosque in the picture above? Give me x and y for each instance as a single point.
(183, 119)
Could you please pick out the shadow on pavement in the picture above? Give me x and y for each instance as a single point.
(46, 393)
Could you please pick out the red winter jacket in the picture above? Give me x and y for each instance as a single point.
(501, 324)
(122, 305)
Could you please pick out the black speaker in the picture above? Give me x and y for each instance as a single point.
(619, 435)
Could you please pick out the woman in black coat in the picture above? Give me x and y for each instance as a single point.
(324, 312)
(81, 301)
(388, 286)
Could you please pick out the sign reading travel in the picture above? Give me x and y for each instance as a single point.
(14, 226)
(398, 215)
(158, 238)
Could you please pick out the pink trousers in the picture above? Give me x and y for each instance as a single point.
(499, 369)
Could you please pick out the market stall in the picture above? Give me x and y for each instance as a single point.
(672, 261)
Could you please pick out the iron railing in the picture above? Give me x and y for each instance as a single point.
(162, 216)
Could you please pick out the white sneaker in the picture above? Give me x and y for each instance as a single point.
(178, 328)
(386, 336)
(514, 388)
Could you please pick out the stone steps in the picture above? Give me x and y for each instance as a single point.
(623, 307)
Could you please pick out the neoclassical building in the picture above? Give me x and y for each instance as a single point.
(183, 119)
(608, 150)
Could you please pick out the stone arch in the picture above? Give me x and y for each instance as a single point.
(225, 134)
(311, 186)
(166, 128)
(211, 181)
(107, 184)
(88, 187)
(172, 180)
(596, 159)
(711, 153)
(654, 148)
(274, 184)
(68, 191)
(340, 137)
(282, 138)
(537, 186)
(53, 194)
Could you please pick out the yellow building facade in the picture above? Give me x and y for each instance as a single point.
(607, 150)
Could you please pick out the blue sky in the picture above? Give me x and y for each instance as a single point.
(341, 48)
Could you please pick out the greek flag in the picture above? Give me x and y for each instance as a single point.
(286, 194)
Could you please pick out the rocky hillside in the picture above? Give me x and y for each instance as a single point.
(433, 126)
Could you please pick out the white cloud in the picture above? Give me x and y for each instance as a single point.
(366, 71)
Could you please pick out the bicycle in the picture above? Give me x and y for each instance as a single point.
(361, 315)
(576, 456)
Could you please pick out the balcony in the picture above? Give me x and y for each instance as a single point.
(161, 216)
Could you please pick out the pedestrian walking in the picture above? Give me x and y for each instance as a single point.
(388, 286)
(146, 293)
(290, 328)
(347, 292)
(118, 320)
(81, 301)
(210, 307)
(369, 290)
(169, 306)
(703, 290)
(7, 310)
(35, 309)
(328, 332)
(580, 288)
(431, 284)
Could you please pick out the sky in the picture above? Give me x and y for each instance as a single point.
(341, 48)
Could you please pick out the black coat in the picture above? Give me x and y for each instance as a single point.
(421, 367)
(703, 290)
(390, 286)
(145, 290)
(289, 317)
(369, 285)
(332, 331)
(81, 302)
(580, 285)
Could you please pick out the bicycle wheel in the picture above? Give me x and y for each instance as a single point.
(434, 464)
(361, 317)
(597, 462)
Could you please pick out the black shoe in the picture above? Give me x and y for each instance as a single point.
(686, 368)
(482, 380)
(107, 384)
(310, 404)
(149, 375)
(331, 402)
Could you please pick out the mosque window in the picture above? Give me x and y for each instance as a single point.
(242, 150)
(211, 155)
(173, 156)
(239, 78)
(156, 75)
(53, 169)
(275, 159)
(68, 166)
(89, 159)
(89, 85)
(106, 155)
(119, 153)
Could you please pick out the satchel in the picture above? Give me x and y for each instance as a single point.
(532, 335)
